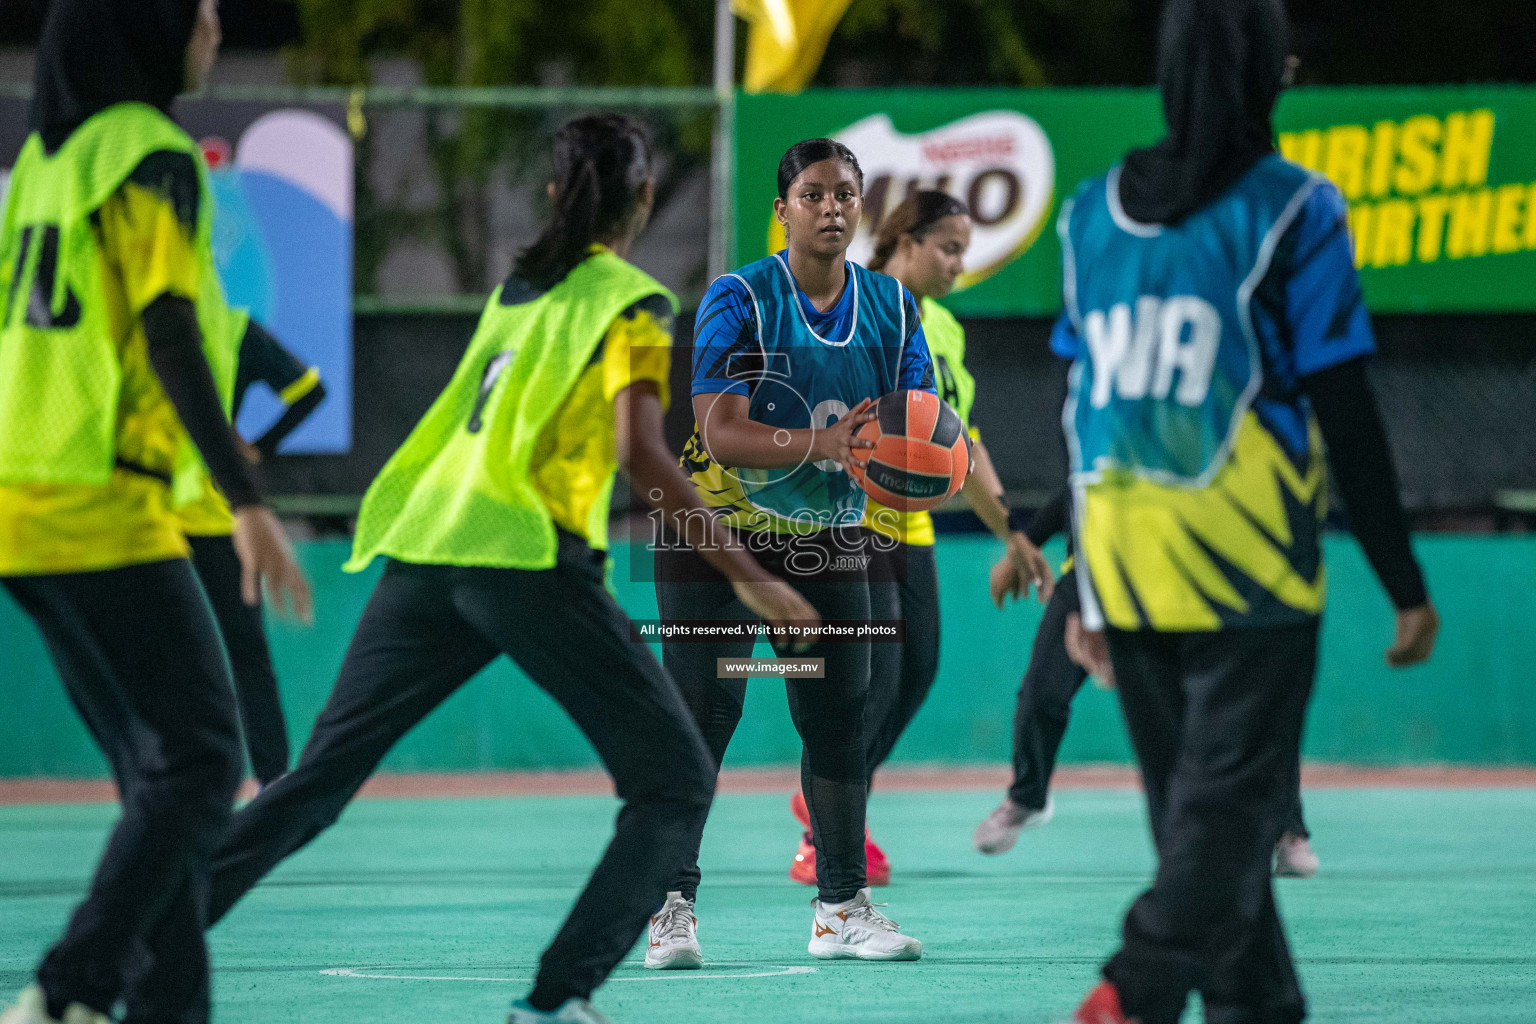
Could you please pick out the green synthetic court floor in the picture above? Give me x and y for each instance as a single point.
(435, 910)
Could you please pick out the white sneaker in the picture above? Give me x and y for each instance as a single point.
(572, 1011)
(1000, 830)
(857, 931)
(31, 1007)
(674, 937)
(1294, 857)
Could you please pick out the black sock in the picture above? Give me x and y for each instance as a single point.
(837, 821)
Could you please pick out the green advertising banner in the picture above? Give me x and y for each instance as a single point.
(1441, 182)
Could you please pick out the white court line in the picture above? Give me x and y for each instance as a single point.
(705, 975)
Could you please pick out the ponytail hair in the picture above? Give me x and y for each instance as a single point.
(916, 215)
(600, 163)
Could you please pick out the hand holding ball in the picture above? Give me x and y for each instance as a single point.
(921, 454)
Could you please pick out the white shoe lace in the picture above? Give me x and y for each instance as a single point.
(672, 924)
(869, 915)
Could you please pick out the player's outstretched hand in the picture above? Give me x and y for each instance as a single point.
(1414, 641)
(1005, 581)
(1033, 569)
(779, 604)
(840, 441)
(1088, 649)
(266, 558)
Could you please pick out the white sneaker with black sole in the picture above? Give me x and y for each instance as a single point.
(572, 1011)
(31, 1007)
(1000, 830)
(856, 930)
(1294, 857)
(674, 937)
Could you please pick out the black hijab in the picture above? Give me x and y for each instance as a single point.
(94, 53)
(1220, 66)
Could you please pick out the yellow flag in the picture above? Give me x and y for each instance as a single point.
(787, 40)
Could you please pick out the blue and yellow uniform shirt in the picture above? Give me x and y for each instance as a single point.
(758, 335)
(147, 237)
(1198, 471)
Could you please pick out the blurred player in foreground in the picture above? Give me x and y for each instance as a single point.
(790, 353)
(1044, 707)
(922, 243)
(106, 399)
(209, 526)
(494, 518)
(1044, 702)
(1220, 339)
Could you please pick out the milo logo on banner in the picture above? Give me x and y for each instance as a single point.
(999, 162)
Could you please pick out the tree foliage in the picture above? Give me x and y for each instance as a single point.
(878, 43)
(489, 43)
(986, 42)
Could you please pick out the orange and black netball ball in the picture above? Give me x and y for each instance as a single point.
(921, 454)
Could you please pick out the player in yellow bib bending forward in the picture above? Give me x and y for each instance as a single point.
(922, 244)
(107, 397)
(493, 515)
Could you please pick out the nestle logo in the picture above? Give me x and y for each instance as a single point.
(956, 150)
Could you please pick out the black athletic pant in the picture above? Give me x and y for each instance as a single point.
(828, 713)
(1295, 821)
(903, 584)
(245, 638)
(425, 632)
(1044, 706)
(1216, 720)
(139, 654)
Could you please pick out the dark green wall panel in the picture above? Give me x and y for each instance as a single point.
(1474, 704)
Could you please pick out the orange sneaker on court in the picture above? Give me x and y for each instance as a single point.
(877, 866)
(797, 807)
(1101, 1007)
(803, 870)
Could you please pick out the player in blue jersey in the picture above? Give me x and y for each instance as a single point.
(1219, 337)
(789, 354)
